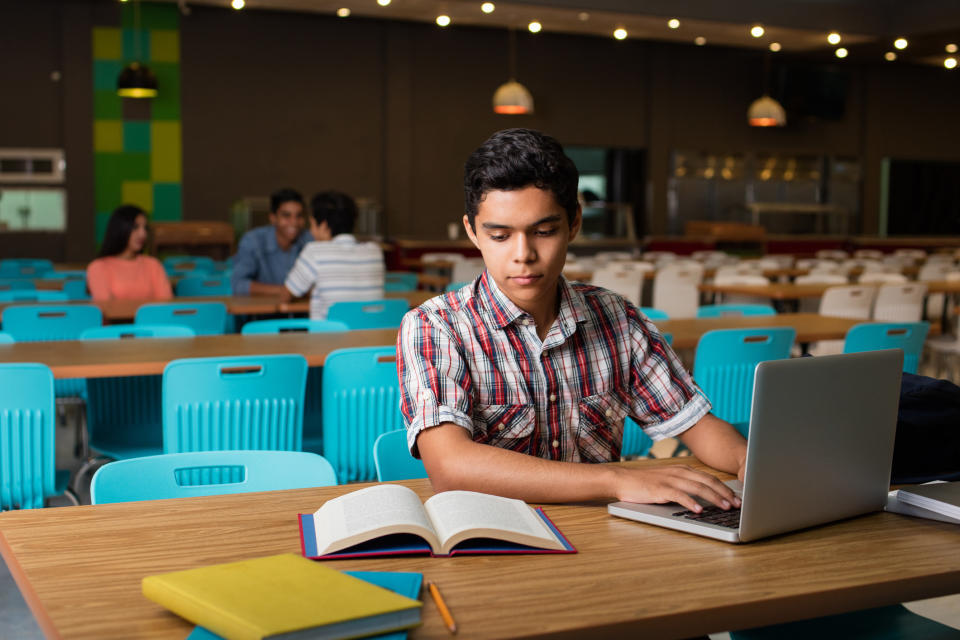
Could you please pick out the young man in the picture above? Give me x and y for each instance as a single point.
(509, 383)
(266, 254)
(336, 266)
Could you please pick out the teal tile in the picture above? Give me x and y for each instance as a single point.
(107, 105)
(166, 106)
(105, 74)
(136, 136)
(167, 201)
(133, 50)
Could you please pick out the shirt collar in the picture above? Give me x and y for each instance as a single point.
(503, 311)
(273, 247)
(344, 238)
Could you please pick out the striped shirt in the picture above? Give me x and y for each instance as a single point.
(473, 358)
(339, 270)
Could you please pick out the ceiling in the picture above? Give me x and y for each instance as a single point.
(867, 27)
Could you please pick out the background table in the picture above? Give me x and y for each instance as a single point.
(810, 326)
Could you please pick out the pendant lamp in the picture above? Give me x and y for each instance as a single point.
(136, 80)
(512, 97)
(765, 111)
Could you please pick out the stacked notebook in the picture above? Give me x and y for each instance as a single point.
(934, 500)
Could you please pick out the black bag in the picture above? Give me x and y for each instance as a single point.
(927, 445)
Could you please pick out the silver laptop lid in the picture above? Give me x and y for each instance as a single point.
(821, 440)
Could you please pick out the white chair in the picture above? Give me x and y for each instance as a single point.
(832, 254)
(851, 301)
(940, 258)
(945, 349)
(914, 255)
(783, 260)
(868, 254)
(753, 279)
(900, 302)
(466, 270)
(709, 256)
(732, 270)
(879, 277)
(603, 257)
(626, 282)
(930, 271)
(675, 289)
(822, 277)
(657, 257)
(441, 257)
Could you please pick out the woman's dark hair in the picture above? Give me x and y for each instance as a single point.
(337, 209)
(119, 227)
(517, 158)
(280, 196)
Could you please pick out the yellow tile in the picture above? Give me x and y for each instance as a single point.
(138, 192)
(107, 135)
(164, 45)
(165, 155)
(107, 43)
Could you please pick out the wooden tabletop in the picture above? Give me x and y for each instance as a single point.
(80, 568)
(810, 326)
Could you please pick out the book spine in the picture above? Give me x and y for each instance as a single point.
(197, 612)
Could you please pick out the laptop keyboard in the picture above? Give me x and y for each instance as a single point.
(714, 515)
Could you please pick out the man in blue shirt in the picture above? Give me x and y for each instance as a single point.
(266, 254)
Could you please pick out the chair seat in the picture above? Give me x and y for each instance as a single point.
(124, 450)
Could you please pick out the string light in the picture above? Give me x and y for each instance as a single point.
(343, 12)
(833, 37)
(488, 7)
(951, 48)
(950, 63)
(238, 4)
(775, 46)
(889, 56)
(673, 23)
(840, 53)
(383, 3)
(756, 31)
(443, 20)
(900, 43)
(699, 41)
(620, 34)
(534, 27)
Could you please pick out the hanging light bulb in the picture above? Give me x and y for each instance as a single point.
(512, 97)
(766, 112)
(136, 80)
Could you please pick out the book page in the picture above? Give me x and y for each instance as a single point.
(369, 513)
(459, 515)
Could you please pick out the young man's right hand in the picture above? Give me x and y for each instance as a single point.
(675, 483)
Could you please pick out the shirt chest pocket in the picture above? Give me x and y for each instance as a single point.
(509, 426)
(600, 430)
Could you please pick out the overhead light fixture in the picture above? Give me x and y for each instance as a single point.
(512, 98)
(136, 80)
(238, 4)
(775, 46)
(841, 52)
(583, 16)
(950, 63)
(488, 7)
(951, 48)
(900, 43)
(383, 3)
(766, 112)
(699, 41)
(756, 31)
(534, 27)
(889, 56)
(620, 34)
(443, 20)
(833, 37)
(343, 12)
(673, 23)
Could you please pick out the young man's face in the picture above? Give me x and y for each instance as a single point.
(523, 235)
(289, 221)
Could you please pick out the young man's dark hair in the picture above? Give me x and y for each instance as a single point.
(280, 196)
(516, 158)
(337, 209)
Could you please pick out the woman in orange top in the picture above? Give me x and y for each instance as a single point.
(122, 272)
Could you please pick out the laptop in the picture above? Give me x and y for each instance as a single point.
(820, 449)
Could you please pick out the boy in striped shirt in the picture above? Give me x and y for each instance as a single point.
(510, 382)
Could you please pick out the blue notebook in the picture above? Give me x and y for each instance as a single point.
(404, 583)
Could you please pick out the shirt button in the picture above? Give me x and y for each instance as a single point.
(500, 427)
(553, 397)
(609, 412)
(555, 443)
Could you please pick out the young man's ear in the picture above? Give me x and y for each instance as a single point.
(575, 223)
(470, 232)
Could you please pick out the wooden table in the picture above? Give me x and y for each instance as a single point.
(106, 358)
(810, 326)
(80, 568)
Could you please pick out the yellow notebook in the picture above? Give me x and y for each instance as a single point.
(283, 596)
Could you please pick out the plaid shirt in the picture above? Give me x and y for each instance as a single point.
(473, 358)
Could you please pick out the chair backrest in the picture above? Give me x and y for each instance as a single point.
(370, 314)
(437, 256)
(27, 417)
(453, 286)
(677, 297)
(205, 318)
(832, 254)
(880, 277)
(361, 400)
(400, 281)
(636, 443)
(44, 323)
(466, 269)
(204, 285)
(6, 338)
(654, 313)
(123, 331)
(627, 282)
(725, 363)
(718, 310)
(32, 295)
(183, 265)
(853, 301)
(24, 267)
(161, 477)
(819, 277)
(869, 254)
(67, 274)
(874, 336)
(76, 289)
(935, 271)
(900, 302)
(611, 256)
(239, 402)
(392, 458)
(754, 279)
(292, 325)
(13, 284)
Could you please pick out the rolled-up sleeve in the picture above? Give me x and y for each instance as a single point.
(435, 382)
(665, 401)
(244, 266)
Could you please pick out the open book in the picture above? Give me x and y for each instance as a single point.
(389, 519)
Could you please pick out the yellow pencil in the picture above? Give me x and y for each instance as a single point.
(442, 606)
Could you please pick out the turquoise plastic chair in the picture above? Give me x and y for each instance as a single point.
(370, 314)
(204, 285)
(400, 281)
(908, 336)
(726, 361)
(239, 402)
(205, 318)
(111, 331)
(392, 458)
(721, 310)
(31, 295)
(185, 265)
(361, 400)
(654, 314)
(27, 449)
(76, 289)
(24, 268)
(312, 404)
(161, 477)
(292, 325)
(6, 338)
(65, 275)
(12, 284)
(453, 286)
